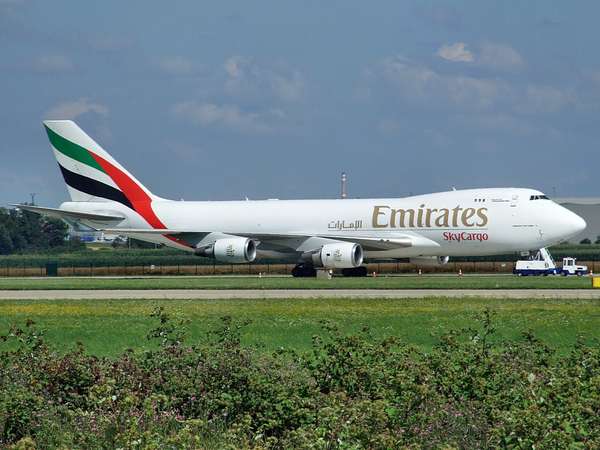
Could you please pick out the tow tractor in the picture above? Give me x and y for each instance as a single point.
(542, 263)
(570, 268)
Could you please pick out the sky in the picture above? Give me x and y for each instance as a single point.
(273, 99)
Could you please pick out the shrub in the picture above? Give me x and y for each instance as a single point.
(473, 390)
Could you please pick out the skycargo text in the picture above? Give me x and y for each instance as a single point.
(464, 236)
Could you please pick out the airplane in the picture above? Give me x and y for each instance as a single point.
(312, 234)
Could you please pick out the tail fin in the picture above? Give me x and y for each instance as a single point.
(90, 173)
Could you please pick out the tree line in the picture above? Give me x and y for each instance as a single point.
(24, 231)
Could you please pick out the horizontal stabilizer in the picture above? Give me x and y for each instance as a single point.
(64, 214)
(149, 231)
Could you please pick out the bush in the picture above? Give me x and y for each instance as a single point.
(473, 390)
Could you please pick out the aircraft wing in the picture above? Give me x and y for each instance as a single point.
(292, 240)
(370, 243)
(73, 216)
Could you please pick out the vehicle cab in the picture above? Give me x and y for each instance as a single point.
(570, 268)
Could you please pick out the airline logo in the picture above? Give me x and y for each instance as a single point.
(458, 217)
(92, 174)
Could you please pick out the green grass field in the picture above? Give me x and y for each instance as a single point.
(254, 282)
(109, 327)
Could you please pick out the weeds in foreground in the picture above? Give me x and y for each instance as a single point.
(351, 391)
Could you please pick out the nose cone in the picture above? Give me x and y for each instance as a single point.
(578, 224)
(570, 224)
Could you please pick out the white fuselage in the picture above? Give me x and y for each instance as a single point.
(462, 223)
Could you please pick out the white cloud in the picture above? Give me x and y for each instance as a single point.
(53, 63)
(178, 66)
(389, 126)
(440, 15)
(425, 87)
(246, 78)
(107, 43)
(234, 66)
(75, 108)
(476, 103)
(289, 88)
(500, 56)
(544, 99)
(455, 52)
(492, 55)
(7, 6)
(228, 116)
(503, 123)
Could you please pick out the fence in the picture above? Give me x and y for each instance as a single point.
(253, 269)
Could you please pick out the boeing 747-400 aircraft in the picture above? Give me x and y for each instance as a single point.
(330, 234)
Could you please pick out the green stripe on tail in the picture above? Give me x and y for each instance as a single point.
(72, 150)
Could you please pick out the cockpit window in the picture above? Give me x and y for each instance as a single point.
(539, 197)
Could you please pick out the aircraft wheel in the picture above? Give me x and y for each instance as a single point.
(355, 272)
(304, 271)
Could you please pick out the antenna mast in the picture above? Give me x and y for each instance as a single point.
(344, 193)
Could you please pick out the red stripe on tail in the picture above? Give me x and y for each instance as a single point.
(141, 201)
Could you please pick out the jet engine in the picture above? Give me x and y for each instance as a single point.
(339, 255)
(430, 261)
(237, 250)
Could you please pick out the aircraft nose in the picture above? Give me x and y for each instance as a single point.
(578, 224)
(572, 223)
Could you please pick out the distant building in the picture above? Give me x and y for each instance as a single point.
(589, 209)
(93, 237)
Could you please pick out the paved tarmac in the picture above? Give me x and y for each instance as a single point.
(297, 293)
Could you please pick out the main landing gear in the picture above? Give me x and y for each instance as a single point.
(360, 271)
(308, 271)
(304, 271)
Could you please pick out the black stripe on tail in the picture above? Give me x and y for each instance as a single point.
(94, 187)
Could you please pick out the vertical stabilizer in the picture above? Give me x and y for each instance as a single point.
(90, 173)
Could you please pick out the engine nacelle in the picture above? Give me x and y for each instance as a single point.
(236, 250)
(342, 255)
(430, 261)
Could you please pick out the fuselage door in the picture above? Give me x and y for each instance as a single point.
(514, 202)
